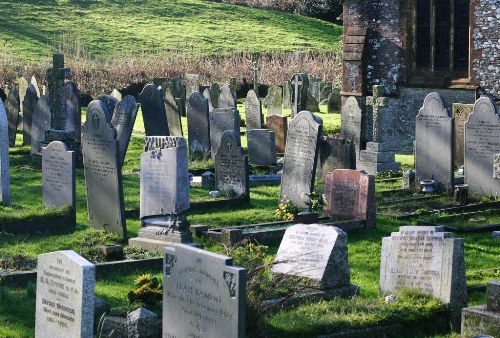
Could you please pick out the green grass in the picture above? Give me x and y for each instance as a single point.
(190, 27)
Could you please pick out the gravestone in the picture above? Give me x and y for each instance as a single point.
(215, 92)
(103, 178)
(73, 110)
(351, 194)
(483, 320)
(334, 100)
(261, 147)
(220, 121)
(110, 102)
(315, 88)
(253, 111)
(123, 121)
(351, 122)
(4, 157)
(178, 91)
(312, 105)
(206, 94)
(496, 167)
(204, 294)
(335, 153)
(481, 145)
(29, 106)
(427, 259)
(234, 89)
(12, 108)
(274, 100)
(40, 124)
(23, 86)
(461, 112)
(116, 94)
(192, 84)
(299, 90)
(64, 295)
(278, 124)
(226, 99)
(434, 143)
(173, 114)
(231, 166)
(34, 82)
(301, 153)
(153, 111)
(255, 69)
(198, 125)
(287, 95)
(317, 252)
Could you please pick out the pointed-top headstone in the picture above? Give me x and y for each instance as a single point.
(116, 94)
(215, 91)
(34, 82)
(153, 111)
(198, 125)
(253, 111)
(29, 105)
(226, 99)
(4, 157)
(123, 120)
(173, 114)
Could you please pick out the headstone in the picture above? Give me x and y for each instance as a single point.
(178, 91)
(278, 124)
(351, 194)
(12, 108)
(376, 102)
(481, 145)
(173, 114)
(461, 113)
(220, 121)
(192, 84)
(434, 143)
(4, 157)
(34, 82)
(427, 259)
(23, 86)
(204, 295)
(287, 95)
(261, 147)
(335, 153)
(64, 295)
(226, 99)
(29, 106)
(408, 180)
(110, 102)
(351, 122)
(231, 166)
(496, 167)
(334, 101)
(116, 94)
(153, 111)
(315, 88)
(274, 100)
(299, 89)
(301, 153)
(215, 92)
(198, 125)
(326, 91)
(103, 178)
(40, 124)
(73, 110)
(206, 94)
(123, 121)
(312, 105)
(233, 86)
(253, 111)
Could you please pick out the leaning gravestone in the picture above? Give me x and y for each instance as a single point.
(226, 99)
(427, 259)
(110, 102)
(434, 143)
(335, 153)
(173, 114)
(12, 108)
(274, 100)
(40, 124)
(261, 147)
(178, 91)
(220, 121)
(123, 121)
(4, 157)
(278, 124)
(103, 178)
(481, 145)
(215, 91)
(153, 111)
(34, 82)
(198, 125)
(461, 114)
(301, 153)
(351, 194)
(64, 296)
(204, 295)
(351, 122)
(253, 111)
(206, 94)
(73, 109)
(231, 166)
(29, 105)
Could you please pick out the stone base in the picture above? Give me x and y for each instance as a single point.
(373, 168)
(478, 320)
(154, 244)
(59, 135)
(376, 159)
(379, 157)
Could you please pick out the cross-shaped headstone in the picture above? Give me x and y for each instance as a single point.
(55, 80)
(297, 84)
(255, 68)
(376, 101)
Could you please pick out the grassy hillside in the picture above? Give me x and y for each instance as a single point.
(31, 29)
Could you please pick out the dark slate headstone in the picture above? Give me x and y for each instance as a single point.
(198, 125)
(123, 121)
(116, 94)
(173, 114)
(220, 121)
(34, 82)
(335, 153)
(301, 152)
(434, 143)
(261, 147)
(274, 100)
(299, 89)
(461, 112)
(12, 108)
(192, 84)
(278, 124)
(29, 105)
(334, 101)
(287, 95)
(23, 86)
(73, 110)
(153, 111)
(253, 111)
(482, 132)
(103, 178)
(231, 165)
(178, 91)
(351, 122)
(215, 91)
(4, 157)
(226, 99)
(206, 94)
(204, 295)
(110, 102)
(40, 124)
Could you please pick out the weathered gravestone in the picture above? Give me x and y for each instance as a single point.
(4, 157)
(274, 100)
(461, 112)
(335, 153)
(301, 153)
(299, 89)
(319, 253)
(192, 84)
(206, 94)
(278, 124)
(231, 166)
(334, 101)
(29, 106)
(34, 82)
(123, 121)
(220, 121)
(204, 295)
(116, 94)
(40, 124)
(198, 125)
(261, 147)
(496, 167)
(434, 143)
(173, 114)
(215, 92)
(351, 194)
(483, 320)
(315, 88)
(427, 259)
(226, 99)
(482, 132)
(64, 296)
(23, 86)
(179, 93)
(287, 95)
(351, 122)
(73, 110)
(234, 89)
(253, 111)
(103, 178)
(153, 111)
(12, 108)
(110, 102)
(58, 176)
